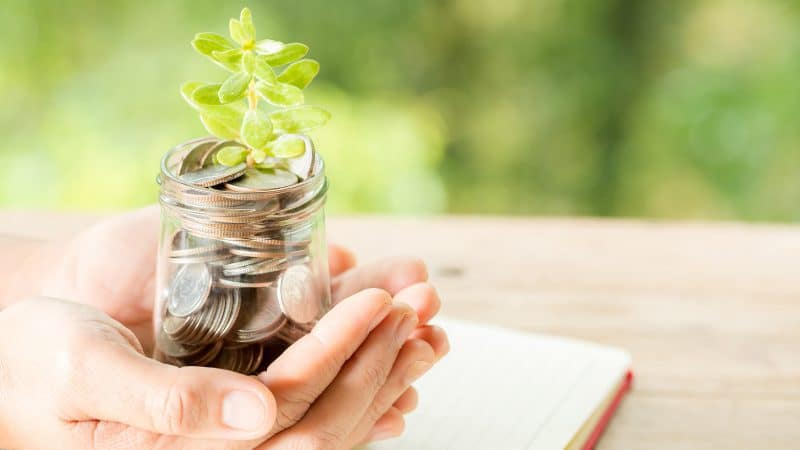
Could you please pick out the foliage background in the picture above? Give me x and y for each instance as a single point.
(658, 108)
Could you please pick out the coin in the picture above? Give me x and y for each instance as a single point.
(267, 243)
(250, 283)
(261, 317)
(260, 268)
(196, 156)
(266, 253)
(173, 349)
(242, 263)
(198, 259)
(261, 180)
(189, 289)
(244, 360)
(298, 295)
(303, 165)
(214, 175)
(205, 357)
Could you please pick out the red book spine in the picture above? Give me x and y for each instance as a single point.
(603, 423)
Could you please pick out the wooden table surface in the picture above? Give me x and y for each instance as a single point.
(710, 312)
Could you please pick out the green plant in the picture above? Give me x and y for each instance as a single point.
(254, 106)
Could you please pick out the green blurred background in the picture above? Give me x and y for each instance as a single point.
(658, 108)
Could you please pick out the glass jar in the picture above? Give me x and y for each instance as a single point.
(241, 274)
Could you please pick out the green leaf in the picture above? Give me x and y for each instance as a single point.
(234, 87)
(249, 62)
(223, 122)
(289, 147)
(248, 29)
(207, 94)
(288, 53)
(280, 94)
(300, 119)
(229, 59)
(231, 156)
(237, 32)
(258, 156)
(207, 43)
(268, 46)
(187, 89)
(300, 73)
(266, 164)
(256, 129)
(264, 72)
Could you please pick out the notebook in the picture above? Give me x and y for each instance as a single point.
(500, 389)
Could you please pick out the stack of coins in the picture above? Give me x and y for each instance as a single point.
(241, 281)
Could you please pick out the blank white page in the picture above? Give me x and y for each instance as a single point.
(500, 389)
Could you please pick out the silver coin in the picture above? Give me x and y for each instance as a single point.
(267, 243)
(208, 354)
(196, 156)
(303, 165)
(214, 175)
(262, 180)
(266, 253)
(196, 251)
(298, 294)
(292, 332)
(238, 264)
(255, 283)
(189, 289)
(199, 259)
(174, 349)
(266, 267)
(261, 317)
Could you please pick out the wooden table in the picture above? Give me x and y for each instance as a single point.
(710, 312)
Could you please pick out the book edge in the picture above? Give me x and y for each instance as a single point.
(594, 437)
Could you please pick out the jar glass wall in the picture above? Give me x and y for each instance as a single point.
(241, 273)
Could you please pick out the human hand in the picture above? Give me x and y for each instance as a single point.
(111, 266)
(74, 376)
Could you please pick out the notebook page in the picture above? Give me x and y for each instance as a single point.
(504, 390)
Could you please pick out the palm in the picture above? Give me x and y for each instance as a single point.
(111, 266)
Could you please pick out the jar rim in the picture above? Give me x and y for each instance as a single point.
(319, 173)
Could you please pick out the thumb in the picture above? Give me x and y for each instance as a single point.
(122, 385)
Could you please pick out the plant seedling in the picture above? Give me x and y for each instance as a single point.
(254, 106)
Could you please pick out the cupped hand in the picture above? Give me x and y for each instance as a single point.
(75, 378)
(111, 266)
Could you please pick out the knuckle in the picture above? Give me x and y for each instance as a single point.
(176, 411)
(293, 405)
(321, 439)
(374, 375)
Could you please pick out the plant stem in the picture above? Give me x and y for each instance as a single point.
(252, 97)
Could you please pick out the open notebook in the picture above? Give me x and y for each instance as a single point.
(504, 390)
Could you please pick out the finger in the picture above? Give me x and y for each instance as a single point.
(340, 259)
(436, 337)
(415, 358)
(330, 421)
(390, 425)
(391, 275)
(408, 401)
(309, 365)
(115, 383)
(423, 298)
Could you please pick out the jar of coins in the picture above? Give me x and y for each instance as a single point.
(242, 266)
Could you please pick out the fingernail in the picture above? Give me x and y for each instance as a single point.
(407, 325)
(380, 434)
(416, 370)
(243, 410)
